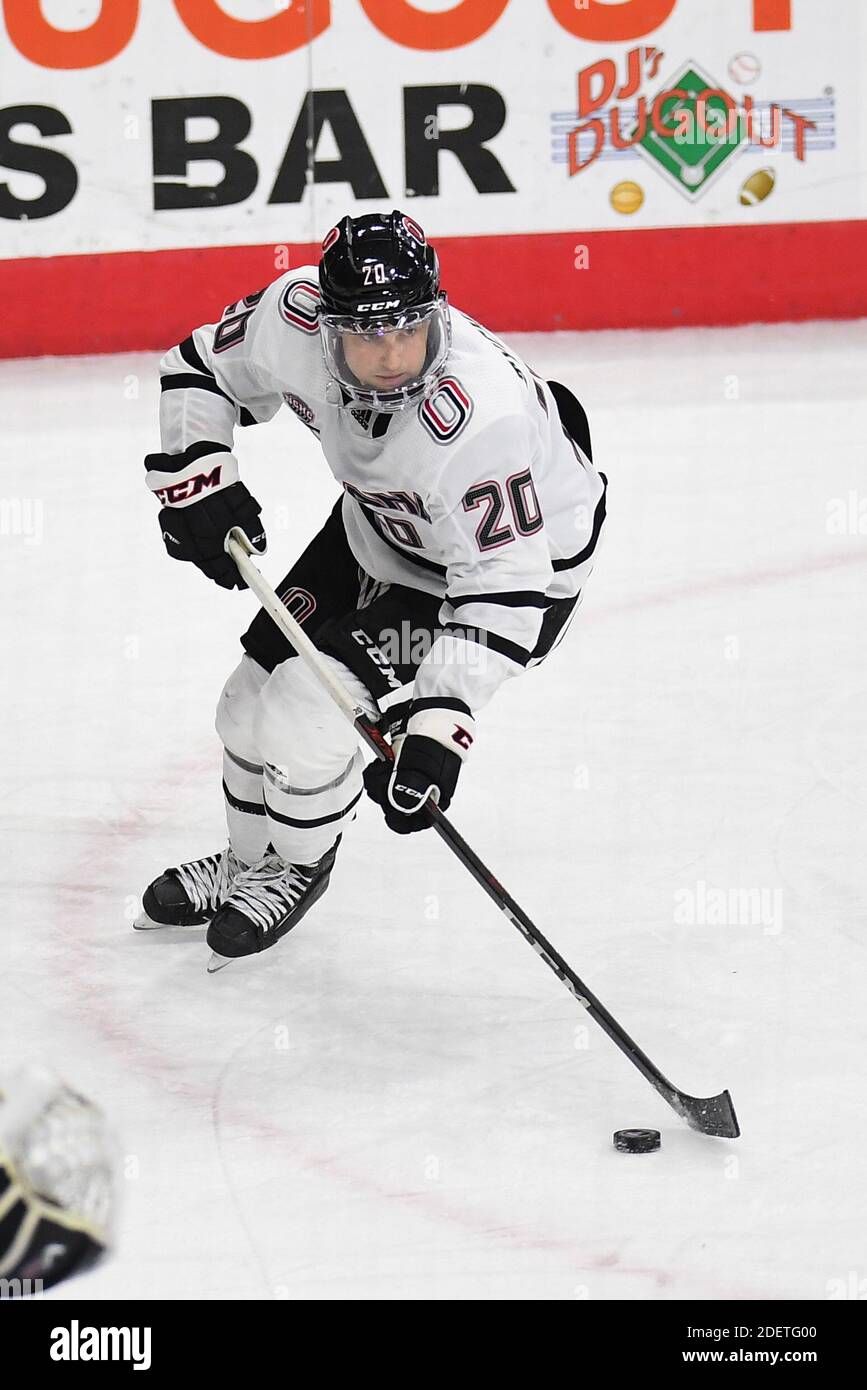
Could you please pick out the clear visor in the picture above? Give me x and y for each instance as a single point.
(391, 361)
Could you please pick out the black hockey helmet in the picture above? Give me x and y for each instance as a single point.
(381, 262)
(379, 274)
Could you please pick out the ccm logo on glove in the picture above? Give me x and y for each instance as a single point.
(190, 487)
(403, 790)
(200, 508)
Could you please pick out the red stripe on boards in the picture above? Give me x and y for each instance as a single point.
(659, 278)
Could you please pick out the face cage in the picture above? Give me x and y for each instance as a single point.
(333, 328)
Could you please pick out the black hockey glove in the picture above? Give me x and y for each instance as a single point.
(197, 530)
(427, 763)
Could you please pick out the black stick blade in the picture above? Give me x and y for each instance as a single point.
(713, 1115)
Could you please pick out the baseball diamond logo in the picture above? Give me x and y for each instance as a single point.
(710, 138)
(688, 131)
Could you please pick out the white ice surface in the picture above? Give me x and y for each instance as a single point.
(400, 1100)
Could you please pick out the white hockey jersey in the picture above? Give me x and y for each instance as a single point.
(477, 495)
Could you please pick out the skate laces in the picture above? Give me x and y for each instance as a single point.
(267, 890)
(206, 881)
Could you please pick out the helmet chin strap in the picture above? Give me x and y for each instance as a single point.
(386, 402)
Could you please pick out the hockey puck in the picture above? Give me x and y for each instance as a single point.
(637, 1141)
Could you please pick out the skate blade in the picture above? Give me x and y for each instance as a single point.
(219, 962)
(145, 923)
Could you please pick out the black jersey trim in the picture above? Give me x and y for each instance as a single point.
(439, 702)
(183, 381)
(247, 417)
(512, 650)
(380, 425)
(515, 598)
(252, 808)
(553, 624)
(204, 447)
(311, 824)
(573, 417)
(370, 517)
(191, 356)
(175, 463)
(598, 518)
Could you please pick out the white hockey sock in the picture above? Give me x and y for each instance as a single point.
(242, 764)
(303, 822)
(245, 807)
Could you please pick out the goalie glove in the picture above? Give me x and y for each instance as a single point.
(428, 759)
(202, 500)
(58, 1177)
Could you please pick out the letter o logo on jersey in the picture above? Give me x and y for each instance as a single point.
(445, 413)
(299, 305)
(300, 603)
(414, 230)
(333, 235)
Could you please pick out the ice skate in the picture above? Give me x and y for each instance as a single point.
(189, 895)
(266, 901)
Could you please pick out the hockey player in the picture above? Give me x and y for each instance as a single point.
(454, 559)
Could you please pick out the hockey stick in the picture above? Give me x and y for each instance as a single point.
(710, 1115)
